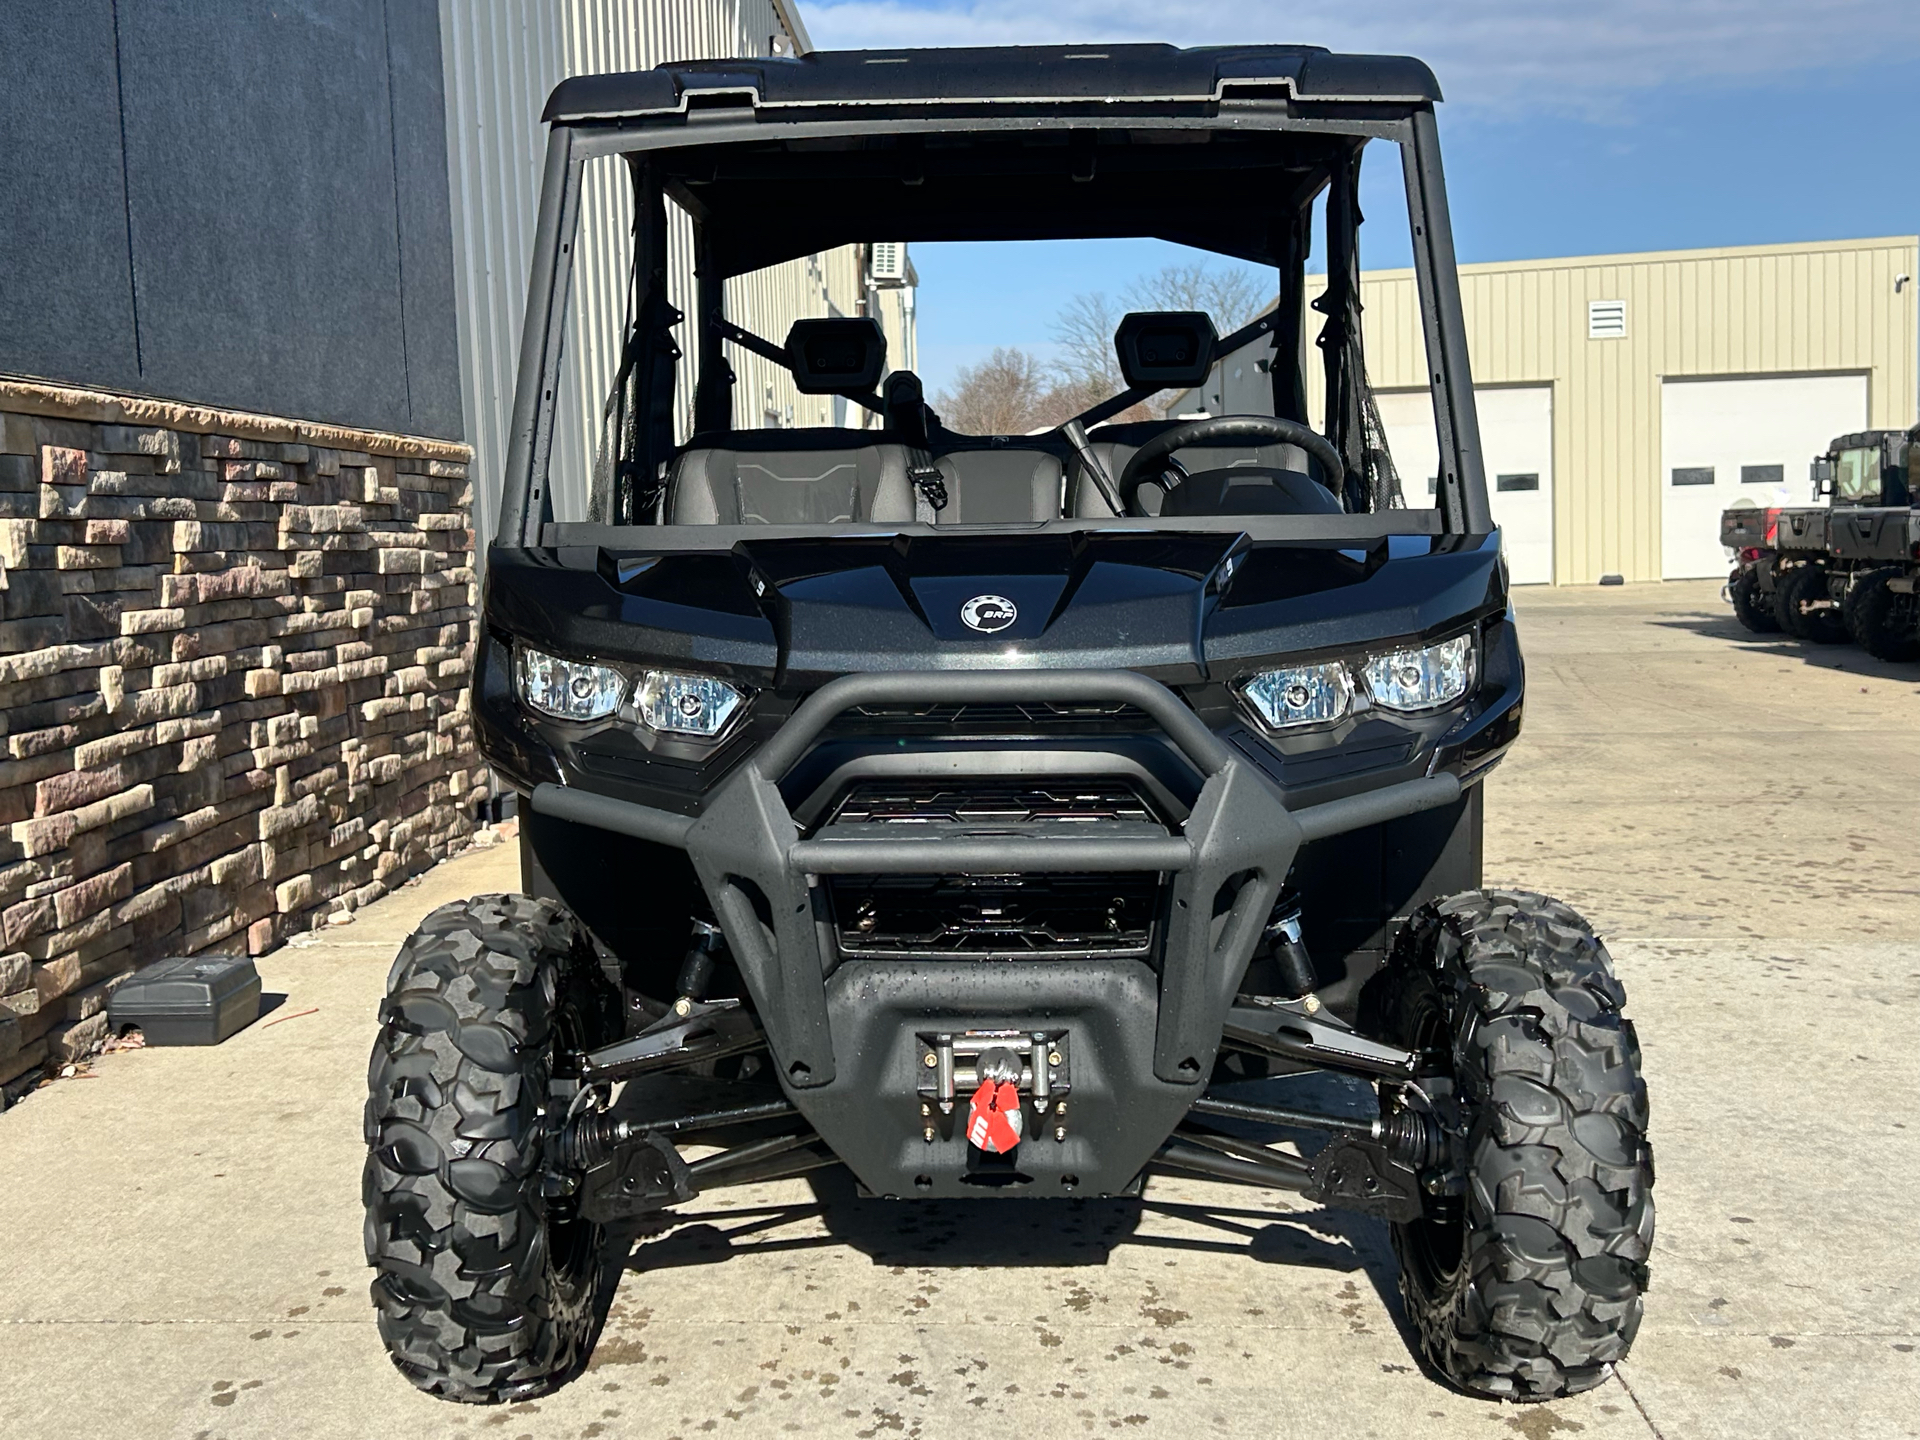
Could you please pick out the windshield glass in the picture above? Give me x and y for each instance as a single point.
(1856, 476)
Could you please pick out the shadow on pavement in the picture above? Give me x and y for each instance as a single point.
(1849, 658)
(1011, 1233)
(1055, 1233)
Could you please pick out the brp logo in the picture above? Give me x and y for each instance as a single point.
(988, 613)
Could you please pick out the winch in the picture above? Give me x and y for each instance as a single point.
(1001, 1071)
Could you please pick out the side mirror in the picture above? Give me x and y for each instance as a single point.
(1821, 473)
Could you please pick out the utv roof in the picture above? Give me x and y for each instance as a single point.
(1005, 75)
(1860, 439)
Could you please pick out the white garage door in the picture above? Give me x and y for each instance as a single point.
(1722, 441)
(1516, 435)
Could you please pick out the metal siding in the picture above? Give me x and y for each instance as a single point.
(66, 270)
(501, 59)
(1780, 309)
(230, 204)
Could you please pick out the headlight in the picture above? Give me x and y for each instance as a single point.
(1306, 695)
(569, 689)
(687, 704)
(1421, 679)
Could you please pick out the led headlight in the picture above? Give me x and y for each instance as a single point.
(686, 704)
(569, 689)
(1421, 679)
(1306, 695)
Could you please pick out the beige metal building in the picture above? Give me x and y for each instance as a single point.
(1625, 400)
(501, 59)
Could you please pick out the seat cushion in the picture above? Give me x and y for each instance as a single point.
(789, 477)
(999, 486)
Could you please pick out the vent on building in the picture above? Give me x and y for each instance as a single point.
(889, 262)
(1694, 475)
(1763, 474)
(1606, 319)
(1516, 482)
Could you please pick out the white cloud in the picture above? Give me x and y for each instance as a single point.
(1495, 54)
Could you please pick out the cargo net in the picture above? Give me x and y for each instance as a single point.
(1383, 481)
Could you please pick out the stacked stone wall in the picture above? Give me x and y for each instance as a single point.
(233, 663)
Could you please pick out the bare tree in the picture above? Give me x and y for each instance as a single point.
(1231, 295)
(1069, 398)
(999, 396)
(1012, 393)
(1084, 332)
(1087, 363)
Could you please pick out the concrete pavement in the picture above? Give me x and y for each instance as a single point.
(191, 1266)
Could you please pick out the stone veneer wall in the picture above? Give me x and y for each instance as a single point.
(234, 654)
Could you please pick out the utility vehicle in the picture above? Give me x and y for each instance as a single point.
(1786, 574)
(986, 814)
(1877, 546)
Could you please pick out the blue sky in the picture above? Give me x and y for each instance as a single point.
(1569, 129)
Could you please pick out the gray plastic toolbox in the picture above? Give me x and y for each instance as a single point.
(194, 1000)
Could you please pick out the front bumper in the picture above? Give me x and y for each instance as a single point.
(843, 1033)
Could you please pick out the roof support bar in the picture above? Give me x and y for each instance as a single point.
(1462, 479)
(525, 504)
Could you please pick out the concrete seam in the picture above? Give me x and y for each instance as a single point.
(1620, 1374)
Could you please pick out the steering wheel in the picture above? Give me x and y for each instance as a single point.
(1225, 427)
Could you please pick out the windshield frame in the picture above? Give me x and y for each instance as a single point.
(1462, 506)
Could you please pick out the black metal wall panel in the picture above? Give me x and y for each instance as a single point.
(419, 105)
(285, 208)
(66, 297)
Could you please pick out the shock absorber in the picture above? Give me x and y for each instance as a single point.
(1291, 962)
(696, 970)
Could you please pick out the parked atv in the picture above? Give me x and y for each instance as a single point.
(1787, 575)
(966, 810)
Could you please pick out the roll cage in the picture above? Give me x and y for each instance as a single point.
(1224, 150)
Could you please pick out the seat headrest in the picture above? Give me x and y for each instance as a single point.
(1165, 349)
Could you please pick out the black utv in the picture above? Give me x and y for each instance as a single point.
(973, 811)
(1877, 546)
(1788, 574)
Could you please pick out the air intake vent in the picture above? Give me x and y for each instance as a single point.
(1606, 319)
(947, 720)
(996, 806)
(889, 262)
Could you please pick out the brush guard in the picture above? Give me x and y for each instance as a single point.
(1153, 1031)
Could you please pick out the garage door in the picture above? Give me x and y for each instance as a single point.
(1516, 435)
(1723, 441)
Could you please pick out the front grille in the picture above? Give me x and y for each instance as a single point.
(949, 720)
(975, 803)
(986, 917)
(994, 916)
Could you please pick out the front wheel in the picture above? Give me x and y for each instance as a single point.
(1884, 622)
(1527, 1284)
(488, 1288)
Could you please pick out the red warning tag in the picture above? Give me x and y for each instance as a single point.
(994, 1119)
